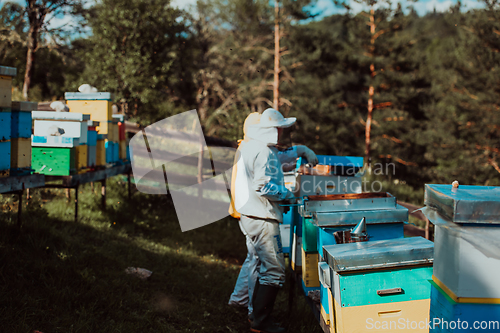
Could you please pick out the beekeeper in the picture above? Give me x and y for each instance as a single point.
(247, 277)
(259, 188)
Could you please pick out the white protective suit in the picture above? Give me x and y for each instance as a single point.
(259, 181)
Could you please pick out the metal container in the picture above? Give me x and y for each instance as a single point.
(397, 252)
(465, 204)
(332, 219)
(342, 165)
(467, 258)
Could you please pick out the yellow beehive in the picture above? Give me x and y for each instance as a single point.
(123, 149)
(20, 153)
(99, 110)
(110, 129)
(100, 153)
(81, 157)
(310, 274)
(387, 317)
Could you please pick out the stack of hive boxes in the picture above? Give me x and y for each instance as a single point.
(380, 286)
(333, 175)
(465, 289)
(59, 143)
(99, 106)
(123, 142)
(21, 137)
(324, 216)
(92, 144)
(6, 75)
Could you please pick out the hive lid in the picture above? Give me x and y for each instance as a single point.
(374, 216)
(24, 106)
(8, 71)
(398, 252)
(465, 204)
(52, 115)
(342, 165)
(78, 96)
(346, 202)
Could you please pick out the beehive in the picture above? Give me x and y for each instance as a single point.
(379, 281)
(123, 150)
(5, 125)
(6, 75)
(54, 160)
(5, 149)
(21, 120)
(98, 105)
(100, 151)
(20, 153)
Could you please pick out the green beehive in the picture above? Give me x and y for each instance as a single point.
(54, 160)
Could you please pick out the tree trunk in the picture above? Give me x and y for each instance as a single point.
(371, 91)
(30, 58)
(276, 85)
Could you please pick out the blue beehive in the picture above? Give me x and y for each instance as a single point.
(448, 316)
(92, 138)
(21, 119)
(5, 125)
(116, 152)
(109, 151)
(4, 156)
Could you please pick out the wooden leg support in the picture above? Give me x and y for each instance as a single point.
(20, 208)
(103, 194)
(76, 203)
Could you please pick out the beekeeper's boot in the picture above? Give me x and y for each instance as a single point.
(263, 303)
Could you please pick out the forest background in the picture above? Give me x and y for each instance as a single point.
(428, 86)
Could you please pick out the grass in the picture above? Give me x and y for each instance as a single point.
(60, 276)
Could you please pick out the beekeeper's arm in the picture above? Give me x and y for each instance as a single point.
(265, 180)
(288, 157)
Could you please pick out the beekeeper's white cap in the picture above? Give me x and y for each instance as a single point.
(273, 118)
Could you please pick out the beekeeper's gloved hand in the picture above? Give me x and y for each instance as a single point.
(311, 157)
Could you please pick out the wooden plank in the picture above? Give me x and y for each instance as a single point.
(10, 184)
(92, 176)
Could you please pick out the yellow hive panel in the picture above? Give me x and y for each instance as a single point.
(81, 157)
(98, 110)
(310, 274)
(20, 153)
(5, 91)
(123, 149)
(326, 317)
(100, 153)
(410, 316)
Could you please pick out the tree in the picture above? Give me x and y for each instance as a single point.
(38, 11)
(139, 51)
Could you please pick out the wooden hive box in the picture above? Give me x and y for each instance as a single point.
(123, 150)
(81, 157)
(109, 151)
(121, 131)
(445, 313)
(5, 150)
(6, 75)
(21, 120)
(20, 153)
(5, 126)
(98, 105)
(92, 156)
(325, 285)
(100, 150)
(92, 138)
(55, 161)
(116, 151)
(380, 281)
(310, 277)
